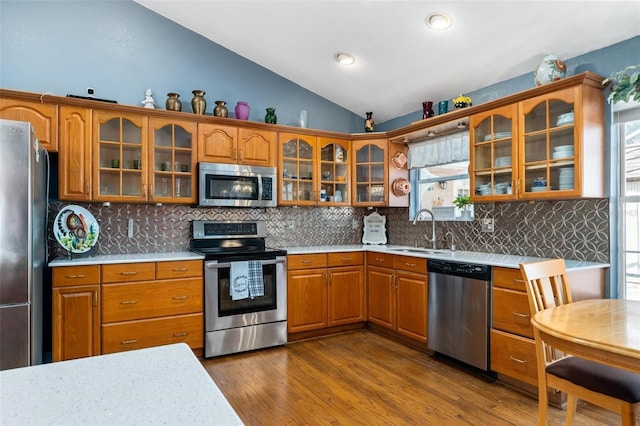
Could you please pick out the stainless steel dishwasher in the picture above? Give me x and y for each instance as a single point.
(459, 311)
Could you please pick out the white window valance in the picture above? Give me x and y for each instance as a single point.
(438, 150)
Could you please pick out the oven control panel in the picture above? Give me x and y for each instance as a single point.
(210, 229)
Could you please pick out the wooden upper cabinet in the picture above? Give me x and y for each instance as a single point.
(42, 116)
(74, 158)
(332, 167)
(257, 147)
(233, 145)
(370, 172)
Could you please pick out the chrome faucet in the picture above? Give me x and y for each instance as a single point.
(452, 247)
(433, 226)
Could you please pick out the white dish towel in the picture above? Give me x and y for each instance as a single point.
(239, 280)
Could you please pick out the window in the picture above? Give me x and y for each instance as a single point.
(629, 207)
(435, 188)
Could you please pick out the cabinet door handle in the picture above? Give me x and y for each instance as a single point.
(234, 156)
(518, 314)
(128, 302)
(95, 298)
(519, 361)
(129, 342)
(86, 188)
(183, 334)
(129, 273)
(177, 298)
(241, 155)
(76, 276)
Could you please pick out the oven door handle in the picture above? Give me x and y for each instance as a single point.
(212, 265)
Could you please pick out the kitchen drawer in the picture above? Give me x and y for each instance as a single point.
(64, 276)
(514, 356)
(352, 258)
(179, 269)
(411, 264)
(128, 272)
(383, 260)
(121, 302)
(511, 312)
(304, 261)
(508, 278)
(131, 335)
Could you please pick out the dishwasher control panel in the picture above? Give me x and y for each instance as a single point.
(469, 270)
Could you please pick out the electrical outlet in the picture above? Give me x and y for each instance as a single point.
(130, 229)
(355, 224)
(487, 225)
(290, 224)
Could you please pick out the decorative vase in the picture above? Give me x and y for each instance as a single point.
(369, 123)
(198, 103)
(220, 110)
(173, 103)
(427, 110)
(462, 101)
(550, 69)
(443, 107)
(242, 110)
(271, 116)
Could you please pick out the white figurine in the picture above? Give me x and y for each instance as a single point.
(148, 100)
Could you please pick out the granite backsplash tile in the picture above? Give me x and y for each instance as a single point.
(576, 229)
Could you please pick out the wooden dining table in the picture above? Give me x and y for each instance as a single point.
(602, 330)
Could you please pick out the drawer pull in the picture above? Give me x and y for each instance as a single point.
(129, 342)
(128, 302)
(519, 361)
(180, 269)
(307, 262)
(180, 297)
(518, 314)
(518, 281)
(181, 334)
(411, 265)
(129, 273)
(346, 259)
(76, 276)
(379, 259)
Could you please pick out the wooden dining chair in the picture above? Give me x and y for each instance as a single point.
(608, 387)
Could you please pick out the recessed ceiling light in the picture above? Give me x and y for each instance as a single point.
(344, 58)
(438, 21)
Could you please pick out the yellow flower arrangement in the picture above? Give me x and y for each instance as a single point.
(462, 101)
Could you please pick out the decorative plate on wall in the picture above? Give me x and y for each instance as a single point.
(76, 229)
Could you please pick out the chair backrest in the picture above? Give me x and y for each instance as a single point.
(547, 286)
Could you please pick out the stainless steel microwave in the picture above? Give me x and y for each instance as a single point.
(229, 185)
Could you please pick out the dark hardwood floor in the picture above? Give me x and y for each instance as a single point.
(361, 378)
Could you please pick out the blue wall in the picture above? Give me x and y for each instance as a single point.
(121, 48)
(603, 61)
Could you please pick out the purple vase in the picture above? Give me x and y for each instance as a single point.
(242, 110)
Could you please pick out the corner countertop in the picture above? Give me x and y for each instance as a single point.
(103, 259)
(492, 259)
(161, 385)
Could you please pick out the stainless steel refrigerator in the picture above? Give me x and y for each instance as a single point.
(24, 172)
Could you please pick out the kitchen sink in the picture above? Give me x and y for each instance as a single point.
(417, 250)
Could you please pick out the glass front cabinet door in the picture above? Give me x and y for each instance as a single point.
(551, 149)
(370, 171)
(333, 169)
(493, 154)
(297, 166)
(172, 161)
(119, 141)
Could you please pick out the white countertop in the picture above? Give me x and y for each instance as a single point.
(161, 385)
(492, 259)
(103, 259)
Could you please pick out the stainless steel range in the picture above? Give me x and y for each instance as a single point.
(245, 285)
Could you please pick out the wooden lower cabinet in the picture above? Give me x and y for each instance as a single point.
(324, 290)
(129, 335)
(99, 309)
(514, 356)
(75, 312)
(397, 298)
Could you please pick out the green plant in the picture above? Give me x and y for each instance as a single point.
(625, 85)
(462, 202)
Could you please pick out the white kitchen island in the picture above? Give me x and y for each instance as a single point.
(161, 385)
